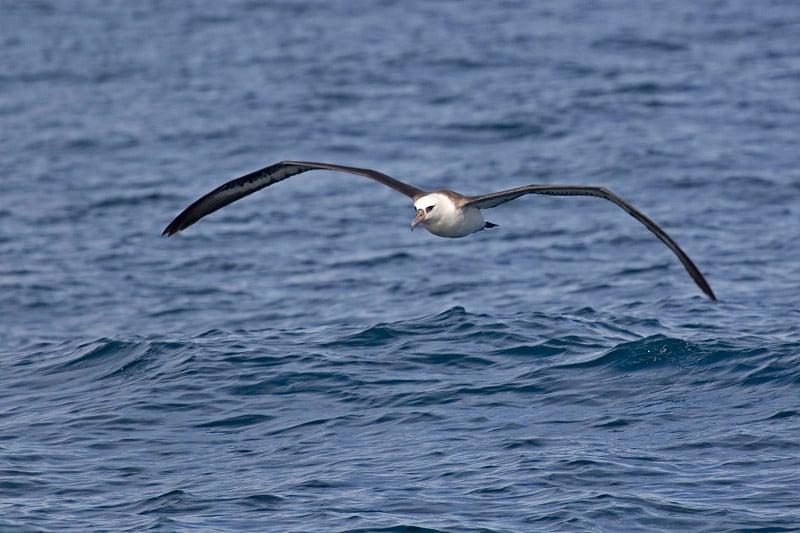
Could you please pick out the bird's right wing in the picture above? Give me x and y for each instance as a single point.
(250, 183)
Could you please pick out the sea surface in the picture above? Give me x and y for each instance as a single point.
(302, 362)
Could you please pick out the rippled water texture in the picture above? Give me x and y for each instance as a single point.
(301, 361)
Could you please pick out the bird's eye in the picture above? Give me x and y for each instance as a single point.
(429, 209)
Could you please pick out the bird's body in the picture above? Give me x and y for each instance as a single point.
(440, 214)
(444, 213)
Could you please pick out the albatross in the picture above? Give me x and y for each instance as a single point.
(442, 212)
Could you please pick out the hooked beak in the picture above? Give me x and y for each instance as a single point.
(420, 218)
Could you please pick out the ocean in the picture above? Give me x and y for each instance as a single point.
(301, 361)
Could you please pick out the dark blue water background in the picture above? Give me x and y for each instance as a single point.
(301, 361)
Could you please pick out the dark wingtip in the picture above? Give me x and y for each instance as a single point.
(698, 278)
(173, 228)
(711, 295)
(182, 221)
(703, 284)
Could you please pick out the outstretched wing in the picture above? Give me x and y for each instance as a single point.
(241, 187)
(493, 200)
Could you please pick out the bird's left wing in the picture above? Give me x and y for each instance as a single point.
(493, 200)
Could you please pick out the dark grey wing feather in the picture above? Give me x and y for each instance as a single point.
(250, 183)
(492, 200)
(402, 187)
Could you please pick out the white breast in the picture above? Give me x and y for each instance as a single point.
(446, 220)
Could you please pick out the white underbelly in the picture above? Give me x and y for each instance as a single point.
(464, 222)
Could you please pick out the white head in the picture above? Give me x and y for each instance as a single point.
(430, 208)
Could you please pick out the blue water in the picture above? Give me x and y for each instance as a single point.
(301, 361)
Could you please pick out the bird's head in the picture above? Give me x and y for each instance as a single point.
(429, 210)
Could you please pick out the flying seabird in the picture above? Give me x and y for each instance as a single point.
(443, 212)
